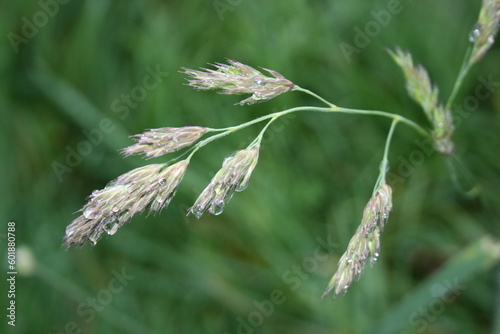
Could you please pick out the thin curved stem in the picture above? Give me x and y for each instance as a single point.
(464, 69)
(275, 115)
(400, 118)
(307, 91)
(209, 140)
(268, 116)
(385, 161)
(258, 140)
(408, 122)
(228, 130)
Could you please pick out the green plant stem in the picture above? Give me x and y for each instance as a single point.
(385, 161)
(400, 118)
(307, 91)
(408, 122)
(273, 116)
(227, 131)
(464, 69)
(209, 140)
(258, 140)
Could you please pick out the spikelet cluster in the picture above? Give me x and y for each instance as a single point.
(365, 243)
(153, 186)
(420, 89)
(157, 142)
(108, 209)
(236, 78)
(483, 34)
(233, 176)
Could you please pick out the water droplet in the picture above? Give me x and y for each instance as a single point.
(94, 238)
(376, 255)
(162, 181)
(90, 214)
(115, 209)
(111, 228)
(381, 166)
(197, 211)
(242, 186)
(218, 207)
(475, 32)
(349, 260)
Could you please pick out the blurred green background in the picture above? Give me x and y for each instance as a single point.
(262, 265)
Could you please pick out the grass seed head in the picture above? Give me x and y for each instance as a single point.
(483, 33)
(365, 243)
(418, 83)
(420, 89)
(233, 176)
(443, 130)
(236, 78)
(156, 142)
(109, 208)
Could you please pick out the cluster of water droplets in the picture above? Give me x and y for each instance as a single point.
(216, 208)
(475, 33)
(197, 211)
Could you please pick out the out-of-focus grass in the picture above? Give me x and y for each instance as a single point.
(313, 179)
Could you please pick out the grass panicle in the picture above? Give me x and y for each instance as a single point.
(154, 185)
(131, 193)
(442, 119)
(421, 90)
(237, 78)
(365, 244)
(157, 142)
(418, 83)
(483, 33)
(233, 176)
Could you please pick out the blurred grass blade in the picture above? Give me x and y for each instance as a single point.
(76, 105)
(113, 316)
(477, 258)
(496, 315)
(462, 178)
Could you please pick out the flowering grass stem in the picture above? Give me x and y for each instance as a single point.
(153, 186)
(307, 91)
(464, 70)
(384, 164)
(276, 115)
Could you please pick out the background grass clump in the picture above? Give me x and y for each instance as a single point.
(262, 265)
